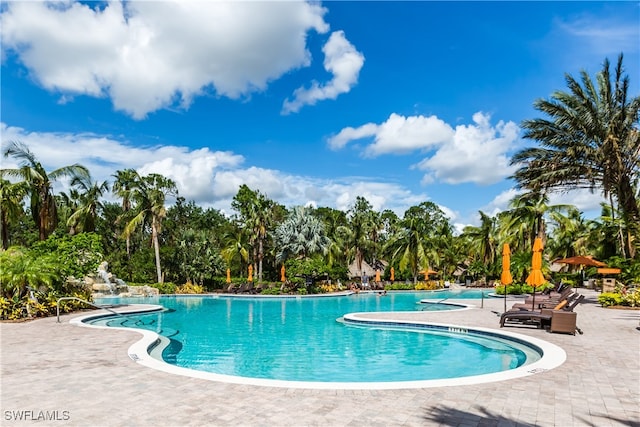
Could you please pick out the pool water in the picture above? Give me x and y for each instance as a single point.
(301, 339)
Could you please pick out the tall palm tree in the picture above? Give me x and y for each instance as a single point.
(40, 184)
(11, 197)
(125, 181)
(591, 140)
(359, 226)
(149, 196)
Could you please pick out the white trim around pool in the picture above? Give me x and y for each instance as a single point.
(552, 356)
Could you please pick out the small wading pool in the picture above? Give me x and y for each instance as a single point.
(306, 340)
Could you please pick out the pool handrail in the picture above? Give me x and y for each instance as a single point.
(101, 307)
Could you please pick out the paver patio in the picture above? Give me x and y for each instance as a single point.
(84, 377)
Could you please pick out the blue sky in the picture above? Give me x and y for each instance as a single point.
(399, 102)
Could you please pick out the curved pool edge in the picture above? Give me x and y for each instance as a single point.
(552, 357)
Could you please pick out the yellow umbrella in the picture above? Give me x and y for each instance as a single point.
(377, 275)
(393, 274)
(228, 276)
(535, 277)
(506, 278)
(250, 278)
(282, 276)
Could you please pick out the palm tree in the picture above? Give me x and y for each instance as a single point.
(84, 218)
(359, 225)
(301, 235)
(527, 215)
(591, 140)
(150, 195)
(483, 240)
(570, 234)
(20, 271)
(408, 246)
(123, 185)
(235, 246)
(40, 184)
(11, 196)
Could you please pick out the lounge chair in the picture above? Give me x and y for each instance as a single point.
(540, 318)
(542, 303)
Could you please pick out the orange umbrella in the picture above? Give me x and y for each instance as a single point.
(228, 276)
(393, 274)
(535, 277)
(506, 278)
(377, 275)
(250, 278)
(282, 276)
(582, 260)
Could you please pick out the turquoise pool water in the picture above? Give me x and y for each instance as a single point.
(300, 339)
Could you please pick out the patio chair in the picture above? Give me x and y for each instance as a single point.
(540, 318)
(544, 302)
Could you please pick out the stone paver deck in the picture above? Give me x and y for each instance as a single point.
(84, 377)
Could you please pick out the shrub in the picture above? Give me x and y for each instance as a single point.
(399, 287)
(189, 288)
(607, 299)
(631, 299)
(163, 288)
(427, 286)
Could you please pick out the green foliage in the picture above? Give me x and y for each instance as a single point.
(608, 299)
(74, 256)
(427, 286)
(189, 288)
(631, 299)
(399, 287)
(21, 269)
(163, 288)
(270, 291)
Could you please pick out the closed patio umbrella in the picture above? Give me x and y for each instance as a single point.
(250, 278)
(283, 278)
(535, 277)
(377, 275)
(228, 276)
(393, 274)
(505, 277)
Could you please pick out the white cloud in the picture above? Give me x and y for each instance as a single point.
(475, 153)
(343, 61)
(210, 178)
(151, 55)
(397, 135)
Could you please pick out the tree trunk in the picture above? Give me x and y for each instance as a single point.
(156, 248)
(260, 255)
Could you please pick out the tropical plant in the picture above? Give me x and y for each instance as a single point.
(149, 196)
(591, 140)
(301, 235)
(40, 183)
(11, 197)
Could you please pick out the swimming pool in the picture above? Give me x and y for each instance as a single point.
(300, 340)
